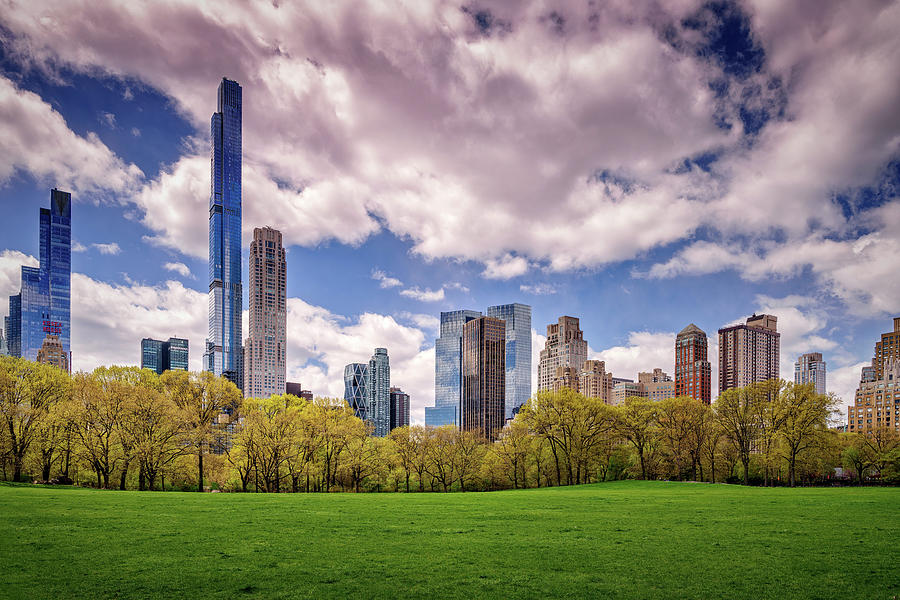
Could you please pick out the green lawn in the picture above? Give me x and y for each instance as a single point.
(622, 540)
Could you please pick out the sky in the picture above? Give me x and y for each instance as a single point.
(639, 165)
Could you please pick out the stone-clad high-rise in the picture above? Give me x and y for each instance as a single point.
(43, 306)
(749, 353)
(265, 348)
(224, 355)
(693, 371)
(565, 347)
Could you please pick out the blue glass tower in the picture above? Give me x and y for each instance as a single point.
(224, 354)
(43, 306)
(448, 369)
(356, 394)
(518, 353)
(378, 392)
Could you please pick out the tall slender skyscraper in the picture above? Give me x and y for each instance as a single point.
(447, 369)
(749, 353)
(693, 371)
(42, 307)
(356, 382)
(265, 349)
(483, 377)
(378, 392)
(224, 355)
(810, 368)
(518, 353)
(565, 347)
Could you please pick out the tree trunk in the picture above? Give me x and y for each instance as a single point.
(745, 461)
(200, 467)
(407, 482)
(124, 476)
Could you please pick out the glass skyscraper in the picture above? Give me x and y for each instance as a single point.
(161, 356)
(518, 353)
(224, 355)
(43, 306)
(378, 390)
(447, 369)
(356, 381)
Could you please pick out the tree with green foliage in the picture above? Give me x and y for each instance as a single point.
(636, 423)
(737, 413)
(803, 423)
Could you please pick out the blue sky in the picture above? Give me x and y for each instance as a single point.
(636, 167)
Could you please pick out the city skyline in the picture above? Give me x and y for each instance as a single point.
(638, 239)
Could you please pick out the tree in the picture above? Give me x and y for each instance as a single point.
(738, 416)
(204, 401)
(152, 423)
(636, 423)
(468, 451)
(440, 454)
(805, 419)
(405, 448)
(28, 392)
(771, 408)
(511, 449)
(856, 454)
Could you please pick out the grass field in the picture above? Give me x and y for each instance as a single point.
(622, 540)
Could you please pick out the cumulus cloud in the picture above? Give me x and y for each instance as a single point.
(178, 267)
(11, 263)
(36, 140)
(385, 281)
(110, 248)
(505, 267)
(644, 351)
(78, 247)
(426, 295)
(538, 289)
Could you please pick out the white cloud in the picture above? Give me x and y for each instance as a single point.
(843, 381)
(428, 323)
(384, 281)
(108, 119)
(35, 139)
(538, 289)
(11, 263)
(505, 267)
(78, 247)
(178, 267)
(426, 295)
(644, 352)
(135, 132)
(110, 248)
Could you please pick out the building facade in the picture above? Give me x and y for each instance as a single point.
(518, 353)
(43, 306)
(749, 353)
(693, 371)
(53, 353)
(265, 350)
(4, 350)
(565, 347)
(296, 389)
(224, 354)
(877, 403)
(448, 369)
(627, 389)
(399, 408)
(356, 382)
(484, 377)
(595, 382)
(887, 349)
(378, 389)
(566, 378)
(162, 356)
(810, 368)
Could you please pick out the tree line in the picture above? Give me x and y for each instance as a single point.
(128, 428)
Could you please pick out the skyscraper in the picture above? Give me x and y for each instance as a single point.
(356, 381)
(484, 377)
(42, 307)
(886, 349)
(378, 392)
(266, 346)
(162, 356)
(693, 371)
(53, 353)
(399, 408)
(518, 353)
(447, 369)
(4, 350)
(810, 368)
(224, 354)
(749, 353)
(594, 381)
(565, 347)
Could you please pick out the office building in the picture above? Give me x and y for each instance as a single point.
(693, 371)
(627, 389)
(356, 382)
(448, 369)
(484, 377)
(565, 347)
(4, 351)
(265, 349)
(42, 307)
(161, 356)
(810, 368)
(595, 382)
(296, 389)
(53, 353)
(566, 378)
(887, 349)
(378, 390)
(518, 352)
(659, 390)
(224, 354)
(399, 408)
(749, 353)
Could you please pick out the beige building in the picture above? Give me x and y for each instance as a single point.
(749, 353)
(565, 347)
(53, 353)
(595, 382)
(566, 377)
(657, 385)
(877, 403)
(887, 349)
(627, 389)
(266, 347)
